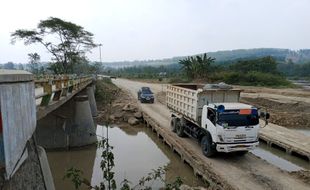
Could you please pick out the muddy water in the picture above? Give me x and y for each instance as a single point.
(137, 151)
(280, 158)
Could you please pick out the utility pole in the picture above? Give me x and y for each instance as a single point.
(100, 52)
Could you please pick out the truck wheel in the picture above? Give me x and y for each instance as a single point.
(179, 129)
(173, 124)
(206, 146)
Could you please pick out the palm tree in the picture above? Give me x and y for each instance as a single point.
(197, 67)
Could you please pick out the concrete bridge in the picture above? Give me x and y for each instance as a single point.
(54, 112)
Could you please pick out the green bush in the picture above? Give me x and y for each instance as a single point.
(106, 91)
(179, 80)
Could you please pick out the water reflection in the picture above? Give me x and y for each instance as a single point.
(80, 158)
(280, 158)
(137, 151)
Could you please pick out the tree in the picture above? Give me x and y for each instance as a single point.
(197, 66)
(97, 67)
(66, 41)
(8, 65)
(265, 65)
(20, 66)
(34, 60)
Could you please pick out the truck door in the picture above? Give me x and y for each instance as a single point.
(208, 120)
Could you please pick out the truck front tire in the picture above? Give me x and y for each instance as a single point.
(180, 129)
(173, 124)
(206, 146)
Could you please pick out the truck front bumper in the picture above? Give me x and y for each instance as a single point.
(236, 147)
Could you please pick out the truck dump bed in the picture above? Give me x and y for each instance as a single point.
(189, 99)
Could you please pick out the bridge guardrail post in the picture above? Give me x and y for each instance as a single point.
(58, 91)
(70, 89)
(65, 86)
(48, 91)
(80, 83)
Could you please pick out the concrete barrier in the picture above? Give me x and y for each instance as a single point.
(18, 112)
(47, 174)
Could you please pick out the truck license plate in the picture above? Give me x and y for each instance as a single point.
(241, 136)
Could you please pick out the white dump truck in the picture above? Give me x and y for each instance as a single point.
(213, 115)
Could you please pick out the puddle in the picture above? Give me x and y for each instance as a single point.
(280, 158)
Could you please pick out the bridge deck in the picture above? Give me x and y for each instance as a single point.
(51, 94)
(53, 105)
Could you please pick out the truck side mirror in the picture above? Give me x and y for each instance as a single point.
(265, 116)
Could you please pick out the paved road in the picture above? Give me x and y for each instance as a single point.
(246, 172)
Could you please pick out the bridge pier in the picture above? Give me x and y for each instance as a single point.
(92, 101)
(71, 125)
(83, 132)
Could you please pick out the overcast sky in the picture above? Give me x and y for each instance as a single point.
(151, 29)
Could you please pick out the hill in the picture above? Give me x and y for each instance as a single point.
(224, 57)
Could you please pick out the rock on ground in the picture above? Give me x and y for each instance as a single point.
(186, 187)
(133, 121)
(129, 107)
(138, 115)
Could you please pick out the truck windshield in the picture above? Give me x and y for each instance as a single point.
(245, 117)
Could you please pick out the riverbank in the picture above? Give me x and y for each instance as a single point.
(116, 107)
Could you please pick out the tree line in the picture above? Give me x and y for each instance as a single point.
(263, 71)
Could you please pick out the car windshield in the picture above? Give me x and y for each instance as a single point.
(146, 91)
(243, 117)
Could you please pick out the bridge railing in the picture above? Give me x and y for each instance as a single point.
(55, 87)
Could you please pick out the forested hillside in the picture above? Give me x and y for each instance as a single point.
(227, 57)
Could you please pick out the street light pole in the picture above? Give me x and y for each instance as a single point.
(100, 52)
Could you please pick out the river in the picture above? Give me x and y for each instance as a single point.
(137, 151)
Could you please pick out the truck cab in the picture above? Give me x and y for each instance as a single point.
(232, 126)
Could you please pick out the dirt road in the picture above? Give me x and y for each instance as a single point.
(247, 172)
